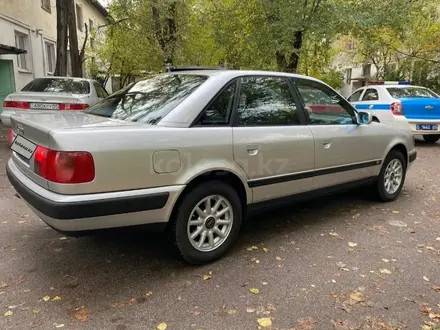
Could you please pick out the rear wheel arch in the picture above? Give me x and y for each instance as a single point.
(215, 175)
(376, 119)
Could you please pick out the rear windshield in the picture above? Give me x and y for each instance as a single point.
(408, 92)
(57, 85)
(149, 100)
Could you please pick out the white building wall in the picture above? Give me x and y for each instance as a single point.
(39, 26)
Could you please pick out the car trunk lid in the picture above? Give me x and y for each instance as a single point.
(421, 108)
(42, 101)
(32, 130)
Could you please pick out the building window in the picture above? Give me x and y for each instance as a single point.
(366, 70)
(79, 18)
(50, 57)
(45, 4)
(22, 41)
(90, 25)
(348, 73)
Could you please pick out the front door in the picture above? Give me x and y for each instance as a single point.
(7, 83)
(344, 150)
(272, 142)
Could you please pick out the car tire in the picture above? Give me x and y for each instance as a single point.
(386, 191)
(206, 226)
(431, 138)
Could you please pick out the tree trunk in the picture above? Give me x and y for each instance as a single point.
(281, 60)
(61, 61)
(75, 59)
(165, 31)
(294, 56)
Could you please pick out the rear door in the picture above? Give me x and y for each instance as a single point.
(344, 150)
(272, 142)
(101, 93)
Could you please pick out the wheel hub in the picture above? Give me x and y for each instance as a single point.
(210, 222)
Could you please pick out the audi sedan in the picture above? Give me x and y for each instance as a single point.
(195, 151)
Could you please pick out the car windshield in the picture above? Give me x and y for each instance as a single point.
(149, 100)
(409, 92)
(57, 85)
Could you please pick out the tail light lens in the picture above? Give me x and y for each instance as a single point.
(11, 136)
(74, 106)
(396, 109)
(16, 104)
(64, 166)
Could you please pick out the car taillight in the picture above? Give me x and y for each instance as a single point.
(11, 136)
(16, 104)
(74, 106)
(396, 109)
(64, 166)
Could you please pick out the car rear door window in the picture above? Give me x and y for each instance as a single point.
(218, 112)
(324, 106)
(266, 101)
(58, 85)
(371, 94)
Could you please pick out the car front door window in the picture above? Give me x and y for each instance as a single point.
(324, 106)
(355, 96)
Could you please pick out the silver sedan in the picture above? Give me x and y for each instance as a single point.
(195, 151)
(53, 94)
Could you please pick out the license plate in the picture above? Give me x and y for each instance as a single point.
(44, 106)
(426, 127)
(23, 147)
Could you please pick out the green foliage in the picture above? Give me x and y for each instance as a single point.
(288, 35)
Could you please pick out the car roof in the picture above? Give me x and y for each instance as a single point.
(62, 77)
(240, 73)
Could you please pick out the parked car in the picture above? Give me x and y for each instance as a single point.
(410, 107)
(196, 151)
(53, 94)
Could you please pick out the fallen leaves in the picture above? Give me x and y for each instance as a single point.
(436, 288)
(161, 326)
(46, 298)
(385, 271)
(426, 278)
(254, 291)
(265, 249)
(395, 212)
(81, 314)
(58, 325)
(352, 244)
(265, 322)
(9, 313)
(354, 298)
(385, 260)
(56, 298)
(207, 276)
(252, 248)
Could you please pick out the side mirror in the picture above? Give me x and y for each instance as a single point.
(364, 118)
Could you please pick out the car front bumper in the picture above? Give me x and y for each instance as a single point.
(79, 213)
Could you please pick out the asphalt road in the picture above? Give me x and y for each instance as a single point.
(341, 263)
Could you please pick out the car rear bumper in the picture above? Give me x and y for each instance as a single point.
(78, 213)
(5, 117)
(414, 122)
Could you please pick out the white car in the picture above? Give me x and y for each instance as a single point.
(50, 94)
(412, 108)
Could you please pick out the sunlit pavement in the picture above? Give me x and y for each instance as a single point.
(340, 263)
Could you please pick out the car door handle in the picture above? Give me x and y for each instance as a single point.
(326, 144)
(252, 150)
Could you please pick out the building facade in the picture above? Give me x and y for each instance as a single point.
(28, 38)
